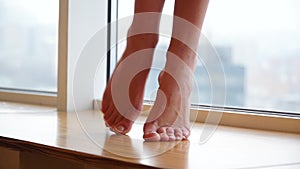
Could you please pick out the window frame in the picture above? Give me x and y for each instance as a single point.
(112, 37)
(32, 96)
(246, 118)
(40, 98)
(62, 99)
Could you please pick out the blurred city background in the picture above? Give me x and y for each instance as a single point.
(28, 44)
(258, 42)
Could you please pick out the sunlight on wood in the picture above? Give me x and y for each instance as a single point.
(82, 136)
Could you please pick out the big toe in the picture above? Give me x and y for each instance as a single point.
(150, 133)
(123, 126)
(154, 133)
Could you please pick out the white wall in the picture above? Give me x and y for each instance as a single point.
(86, 18)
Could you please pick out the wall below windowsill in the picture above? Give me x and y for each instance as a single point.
(81, 140)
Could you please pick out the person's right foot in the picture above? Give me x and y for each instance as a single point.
(118, 114)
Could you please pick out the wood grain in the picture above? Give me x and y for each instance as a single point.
(82, 138)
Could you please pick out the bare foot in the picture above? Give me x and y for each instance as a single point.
(139, 51)
(169, 119)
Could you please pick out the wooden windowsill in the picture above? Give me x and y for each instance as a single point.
(83, 138)
(28, 97)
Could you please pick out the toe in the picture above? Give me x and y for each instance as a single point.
(163, 132)
(170, 133)
(150, 133)
(149, 128)
(151, 137)
(123, 126)
(120, 129)
(185, 133)
(164, 137)
(178, 134)
(113, 129)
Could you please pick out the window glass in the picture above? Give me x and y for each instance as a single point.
(28, 44)
(258, 42)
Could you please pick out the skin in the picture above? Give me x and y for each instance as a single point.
(169, 118)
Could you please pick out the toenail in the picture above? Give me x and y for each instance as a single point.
(120, 129)
(178, 138)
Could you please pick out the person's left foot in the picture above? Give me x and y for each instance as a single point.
(169, 119)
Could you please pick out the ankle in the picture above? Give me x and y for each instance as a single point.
(142, 40)
(184, 52)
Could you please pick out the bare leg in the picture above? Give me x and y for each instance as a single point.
(121, 122)
(169, 117)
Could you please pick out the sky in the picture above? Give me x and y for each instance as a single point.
(251, 24)
(234, 15)
(256, 29)
(45, 11)
(28, 39)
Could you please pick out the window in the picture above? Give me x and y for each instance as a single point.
(259, 46)
(28, 45)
